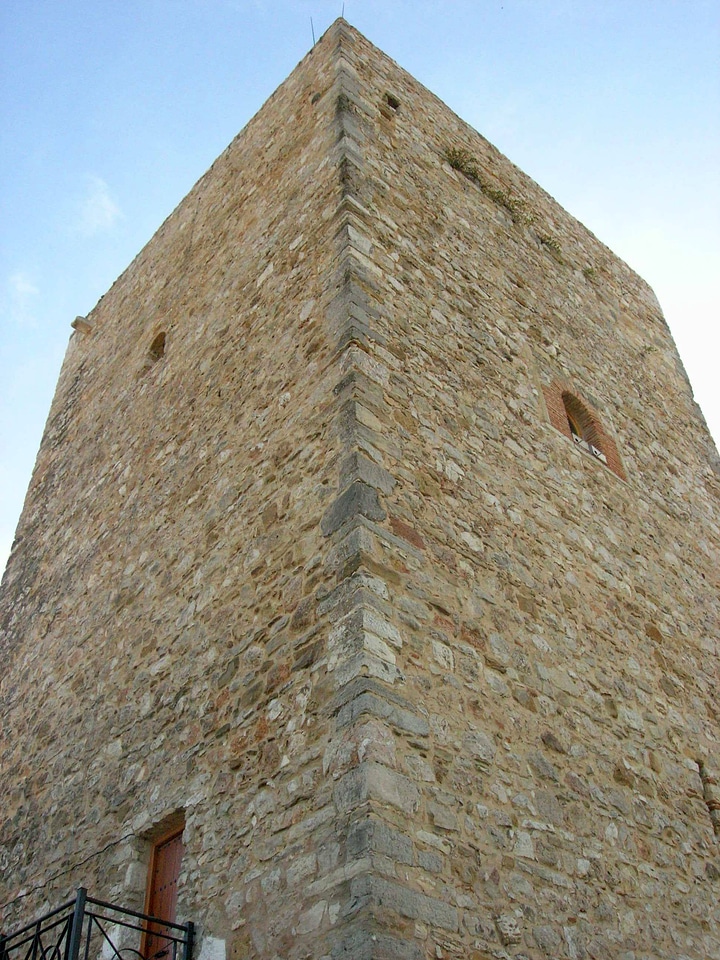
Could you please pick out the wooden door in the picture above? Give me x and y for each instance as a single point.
(162, 894)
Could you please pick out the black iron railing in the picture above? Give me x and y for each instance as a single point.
(89, 929)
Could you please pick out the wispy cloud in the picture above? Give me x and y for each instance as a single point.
(99, 211)
(20, 298)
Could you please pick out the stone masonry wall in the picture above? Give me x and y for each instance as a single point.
(555, 619)
(160, 630)
(426, 677)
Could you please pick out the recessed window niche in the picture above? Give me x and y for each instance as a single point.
(576, 419)
(157, 347)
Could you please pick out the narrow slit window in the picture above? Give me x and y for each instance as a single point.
(575, 428)
(582, 426)
(157, 347)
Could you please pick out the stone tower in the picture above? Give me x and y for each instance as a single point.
(373, 544)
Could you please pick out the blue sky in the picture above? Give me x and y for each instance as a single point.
(109, 112)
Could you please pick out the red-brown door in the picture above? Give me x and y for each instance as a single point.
(162, 894)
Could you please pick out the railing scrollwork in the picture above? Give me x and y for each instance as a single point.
(89, 929)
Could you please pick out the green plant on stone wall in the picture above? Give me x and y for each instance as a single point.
(551, 244)
(464, 162)
(517, 208)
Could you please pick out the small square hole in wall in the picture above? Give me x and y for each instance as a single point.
(389, 105)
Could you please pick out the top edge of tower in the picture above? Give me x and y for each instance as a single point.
(340, 50)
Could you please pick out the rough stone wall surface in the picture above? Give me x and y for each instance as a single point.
(427, 677)
(160, 631)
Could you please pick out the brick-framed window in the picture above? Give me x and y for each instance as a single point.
(577, 420)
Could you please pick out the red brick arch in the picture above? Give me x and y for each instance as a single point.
(564, 403)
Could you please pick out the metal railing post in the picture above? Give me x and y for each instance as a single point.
(36, 940)
(3, 952)
(189, 941)
(77, 923)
